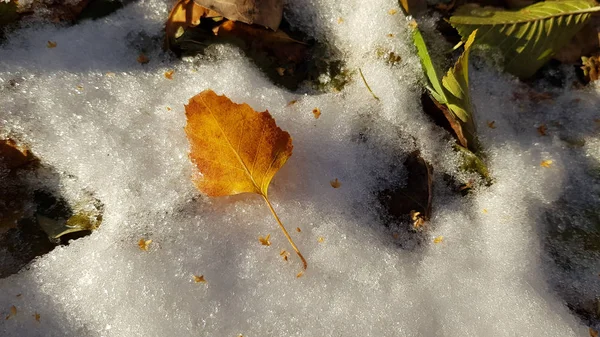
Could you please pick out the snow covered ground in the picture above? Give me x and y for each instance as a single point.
(113, 127)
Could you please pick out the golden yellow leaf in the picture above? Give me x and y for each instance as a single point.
(492, 124)
(438, 239)
(265, 241)
(392, 11)
(143, 59)
(169, 74)
(199, 279)
(546, 163)
(51, 44)
(144, 244)
(335, 183)
(236, 149)
(317, 113)
(13, 312)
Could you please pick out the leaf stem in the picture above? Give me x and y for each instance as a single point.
(287, 235)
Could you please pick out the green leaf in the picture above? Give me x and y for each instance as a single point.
(456, 84)
(529, 37)
(435, 87)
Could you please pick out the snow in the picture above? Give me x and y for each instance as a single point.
(114, 128)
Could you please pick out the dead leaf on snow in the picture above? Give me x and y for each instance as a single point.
(169, 74)
(199, 279)
(316, 112)
(144, 244)
(266, 240)
(13, 312)
(546, 163)
(438, 239)
(51, 44)
(36, 316)
(142, 59)
(185, 14)
(236, 149)
(492, 124)
(335, 183)
(542, 129)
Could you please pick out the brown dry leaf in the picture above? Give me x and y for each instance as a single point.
(298, 229)
(542, 129)
(335, 183)
(185, 14)
(438, 239)
(591, 67)
(12, 156)
(13, 312)
(266, 13)
(199, 279)
(236, 149)
(51, 44)
(144, 244)
(265, 241)
(546, 163)
(316, 112)
(492, 124)
(143, 59)
(169, 74)
(279, 44)
(37, 317)
(593, 333)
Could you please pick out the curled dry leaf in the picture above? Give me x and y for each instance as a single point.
(236, 149)
(316, 112)
(335, 183)
(267, 13)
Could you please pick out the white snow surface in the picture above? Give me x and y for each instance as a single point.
(113, 127)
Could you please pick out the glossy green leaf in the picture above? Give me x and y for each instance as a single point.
(527, 38)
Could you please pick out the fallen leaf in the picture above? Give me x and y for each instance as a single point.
(144, 244)
(236, 149)
(298, 229)
(169, 74)
(542, 129)
(335, 183)
(266, 13)
(492, 124)
(320, 239)
(51, 44)
(438, 239)
(546, 163)
(591, 67)
(284, 254)
(143, 59)
(37, 317)
(317, 113)
(199, 279)
(184, 14)
(593, 333)
(392, 11)
(265, 241)
(13, 312)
